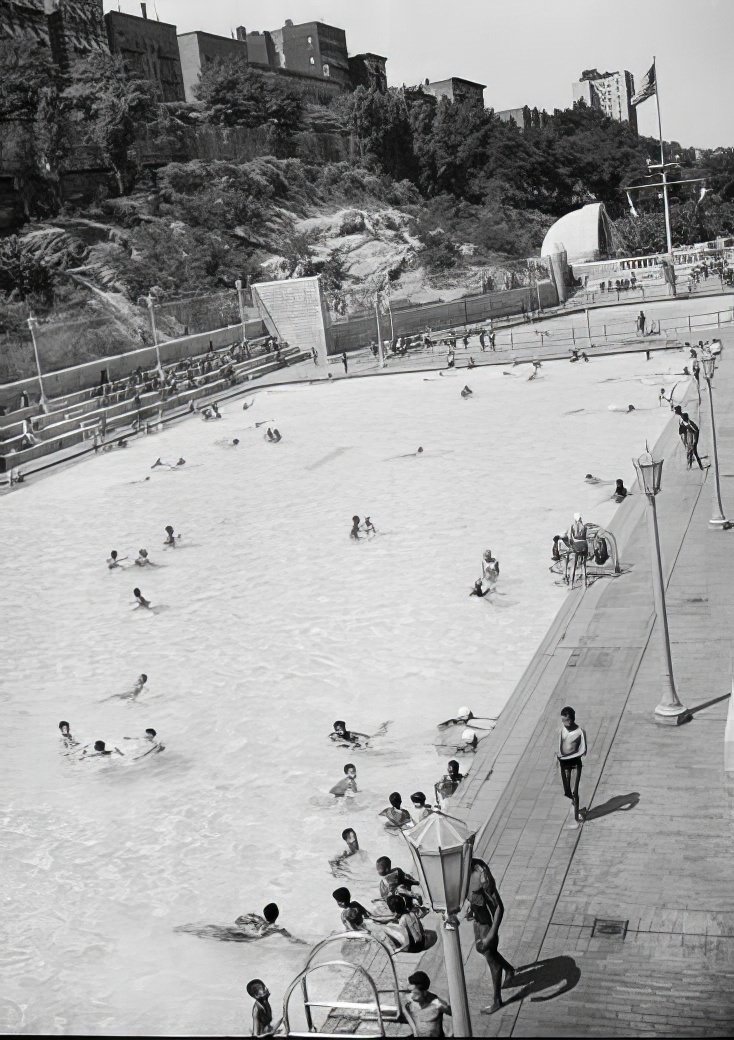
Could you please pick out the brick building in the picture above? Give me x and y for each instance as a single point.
(149, 49)
(368, 70)
(199, 49)
(70, 29)
(313, 49)
(456, 89)
(261, 49)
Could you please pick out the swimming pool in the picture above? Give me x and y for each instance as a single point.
(270, 625)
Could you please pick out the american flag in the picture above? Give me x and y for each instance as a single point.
(648, 87)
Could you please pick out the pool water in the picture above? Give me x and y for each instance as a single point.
(269, 625)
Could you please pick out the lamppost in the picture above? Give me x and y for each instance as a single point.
(708, 363)
(442, 857)
(669, 711)
(151, 310)
(241, 301)
(43, 401)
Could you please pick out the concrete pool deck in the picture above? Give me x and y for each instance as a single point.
(655, 850)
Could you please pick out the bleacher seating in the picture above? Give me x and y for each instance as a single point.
(80, 416)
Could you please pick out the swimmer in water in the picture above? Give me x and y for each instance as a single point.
(353, 914)
(139, 684)
(236, 441)
(369, 528)
(143, 560)
(354, 533)
(490, 567)
(471, 363)
(346, 788)
(170, 465)
(269, 435)
(420, 807)
(276, 435)
(262, 1013)
(449, 782)
(466, 392)
(478, 590)
(66, 736)
(397, 818)
(114, 561)
(215, 409)
(469, 742)
(337, 864)
(247, 928)
(141, 600)
(101, 751)
(170, 537)
(152, 745)
(620, 492)
(394, 881)
(344, 737)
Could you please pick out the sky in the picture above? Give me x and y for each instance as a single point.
(528, 52)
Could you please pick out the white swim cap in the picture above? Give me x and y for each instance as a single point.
(577, 516)
(464, 713)
(468, 735)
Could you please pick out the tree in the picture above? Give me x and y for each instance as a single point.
(109, 106)
(22, 273)
(234, 95)
(380, 124)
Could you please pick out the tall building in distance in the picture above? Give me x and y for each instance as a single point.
(608, 92)
(149, 49)
(313, 49)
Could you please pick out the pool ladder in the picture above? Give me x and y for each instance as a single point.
(375, 1009)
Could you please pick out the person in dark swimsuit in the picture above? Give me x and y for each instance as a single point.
(487, 910)
(354, 533)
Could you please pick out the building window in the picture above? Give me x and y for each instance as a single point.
(312, 61)
(326, 70)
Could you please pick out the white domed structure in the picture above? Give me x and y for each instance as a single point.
(583, 234)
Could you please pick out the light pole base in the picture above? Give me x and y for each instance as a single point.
(671, 714)
(718, 521)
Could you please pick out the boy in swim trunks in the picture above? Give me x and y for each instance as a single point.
(345, 737)
(354, 533)
(66, 737)
(571, 749)
(262, 1013)
(486, 910)
(424, 1009)
(396, 817)
(346, 788)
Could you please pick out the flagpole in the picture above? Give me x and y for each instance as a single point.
(668, 235)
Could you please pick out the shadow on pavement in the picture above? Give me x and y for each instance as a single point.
(620, 803)
(559, 974)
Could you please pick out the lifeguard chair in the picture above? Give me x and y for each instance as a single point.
(380, 1007)
(595, 536)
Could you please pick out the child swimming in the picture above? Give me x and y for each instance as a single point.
(347, 787)
(141, 600)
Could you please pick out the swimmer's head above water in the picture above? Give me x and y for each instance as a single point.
(395, 800)
(271, 913)
(65, 729)
(257, 989)
(349, 835)
(383, 865)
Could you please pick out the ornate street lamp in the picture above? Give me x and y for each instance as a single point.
(151, 310)
(708, 363)
(669, 711)
(442, 855)
(43, 401)
(241, 302)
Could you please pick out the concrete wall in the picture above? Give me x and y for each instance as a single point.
(150, 48)
(261, 50)
(358, 332)
(69, 380)
(199, 49)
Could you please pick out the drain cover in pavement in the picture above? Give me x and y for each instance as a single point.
(610, 928)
